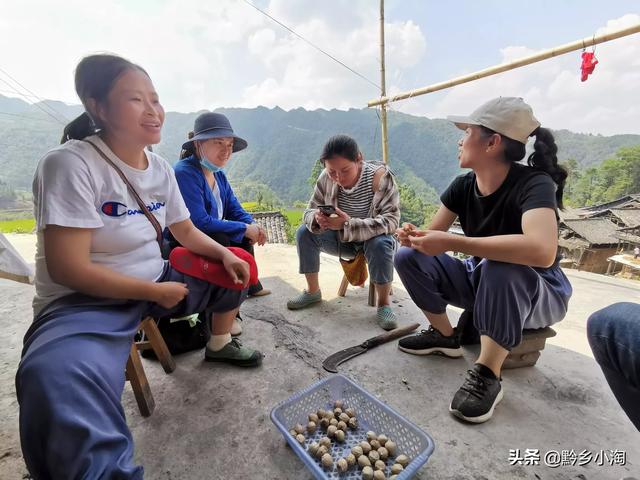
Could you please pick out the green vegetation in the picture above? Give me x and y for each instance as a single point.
(294, 220)
(414, 208)
(284, 147)
(7, 195)
(258, 193)
(18, 226)
(612, 179)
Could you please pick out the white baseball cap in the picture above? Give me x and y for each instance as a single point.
(509, 116)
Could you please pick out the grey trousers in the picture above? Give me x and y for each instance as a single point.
(505, 298)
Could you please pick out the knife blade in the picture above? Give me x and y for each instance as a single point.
(330, 364)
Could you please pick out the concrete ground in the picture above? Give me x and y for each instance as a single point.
(212, 421)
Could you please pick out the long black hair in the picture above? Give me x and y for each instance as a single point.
(94, 78)
(340, 146)
(543, 158)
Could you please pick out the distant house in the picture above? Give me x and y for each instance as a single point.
(595, 238)
(275, 225)
(628, 201)
(587, 243)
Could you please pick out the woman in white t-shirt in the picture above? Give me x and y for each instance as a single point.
(99, 270)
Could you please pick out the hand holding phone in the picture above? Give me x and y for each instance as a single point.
(327, 210)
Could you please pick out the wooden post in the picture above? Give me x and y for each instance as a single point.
(383, 90)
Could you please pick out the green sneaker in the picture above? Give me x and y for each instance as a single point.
(235, 354)
(304, 300)
(386, 318)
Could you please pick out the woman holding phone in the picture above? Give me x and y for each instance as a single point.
(355, 208)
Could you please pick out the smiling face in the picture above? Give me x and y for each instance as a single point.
(343, 171)
(216, 150)
(132, 112)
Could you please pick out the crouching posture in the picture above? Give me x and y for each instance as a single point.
(512, 279)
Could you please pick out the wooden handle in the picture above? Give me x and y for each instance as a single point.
(393, 334)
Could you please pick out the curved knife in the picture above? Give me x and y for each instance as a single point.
(330, 364)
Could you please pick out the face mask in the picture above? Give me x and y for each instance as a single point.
(210, 166)
(204, 161)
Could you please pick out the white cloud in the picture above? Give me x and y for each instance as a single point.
(608, 102)
(225, 53)
(299, 75)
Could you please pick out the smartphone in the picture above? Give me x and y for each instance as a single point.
(327, 210)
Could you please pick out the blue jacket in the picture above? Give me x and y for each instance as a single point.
(202, 204)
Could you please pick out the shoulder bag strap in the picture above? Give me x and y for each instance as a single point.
(143, 207)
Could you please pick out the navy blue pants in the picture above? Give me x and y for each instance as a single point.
(614, 336)
(72, 374)
(505, 298)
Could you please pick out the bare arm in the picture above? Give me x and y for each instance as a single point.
(535, 247)
(443, 219)
(73, 268)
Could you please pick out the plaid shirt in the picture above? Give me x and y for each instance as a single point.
(384, 214)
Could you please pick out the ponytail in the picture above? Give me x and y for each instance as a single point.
(544, 159)
(188, 149)
(78, 128)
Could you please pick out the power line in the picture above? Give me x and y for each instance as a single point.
(36, 96)
(33, 104)
(26, 116)
(13, 91)
(313, 45)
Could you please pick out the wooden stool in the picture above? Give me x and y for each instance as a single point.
(526, 354)
(135, 372)
(342, 291)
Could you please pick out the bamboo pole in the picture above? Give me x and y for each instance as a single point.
(383, 90)
(537, 57)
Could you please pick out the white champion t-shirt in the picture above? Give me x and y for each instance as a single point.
(75, 187)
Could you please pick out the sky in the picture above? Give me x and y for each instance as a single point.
(224, 53)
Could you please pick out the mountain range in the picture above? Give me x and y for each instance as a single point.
(284, 145)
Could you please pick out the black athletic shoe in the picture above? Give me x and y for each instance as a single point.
(478, 395)
(432, 341)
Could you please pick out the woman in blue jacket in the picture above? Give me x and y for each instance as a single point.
(214, 208)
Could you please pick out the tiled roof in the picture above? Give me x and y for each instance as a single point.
(631, 200)
(274, 223)
(596, 231)
(630, 216)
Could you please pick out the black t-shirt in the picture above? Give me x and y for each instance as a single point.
(501, 212)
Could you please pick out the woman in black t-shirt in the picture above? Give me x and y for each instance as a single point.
(512, 281)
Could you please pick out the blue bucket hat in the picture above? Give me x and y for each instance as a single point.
(214, 125)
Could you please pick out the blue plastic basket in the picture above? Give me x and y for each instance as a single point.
(372, 415)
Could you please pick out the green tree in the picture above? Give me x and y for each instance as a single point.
(430, 212)
(257, 192)
(614, 178)
(8, 196)
(573, 170)
(412, 208)
(315, 173)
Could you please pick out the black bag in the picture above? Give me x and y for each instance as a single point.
(181, 337)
